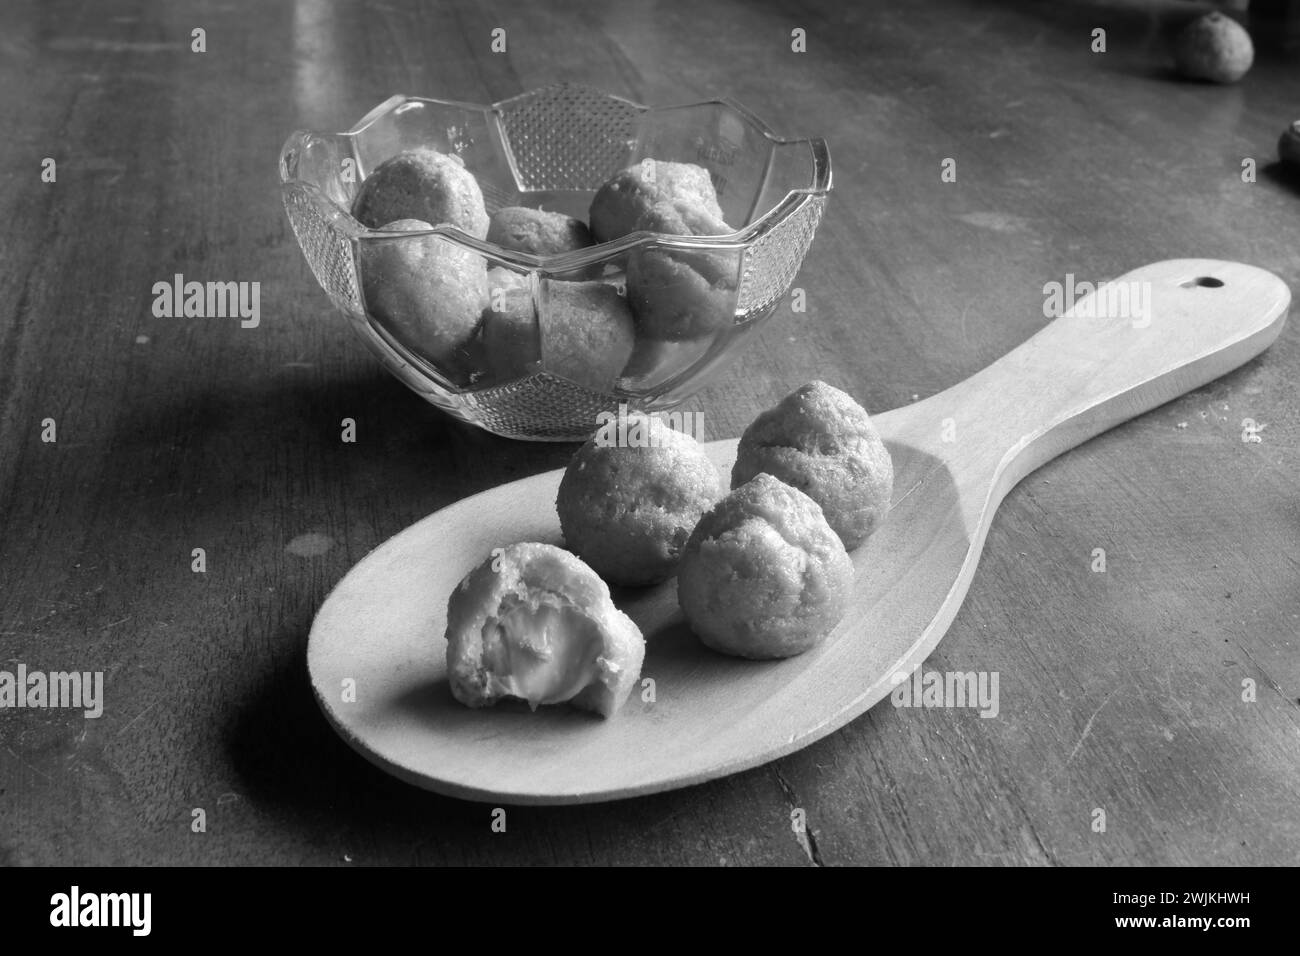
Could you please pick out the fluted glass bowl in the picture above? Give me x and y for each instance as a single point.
(552, 149)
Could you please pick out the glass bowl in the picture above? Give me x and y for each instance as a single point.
(692, 302)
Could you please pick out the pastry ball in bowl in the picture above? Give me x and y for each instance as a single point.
(763, 575)
(587, 332)
(679, 294)
(537, 232)
(619, 204)
(429, 292)
(683, 217)
(533, 622)
(632, 494)
(822, 442)
(510, 341)
(583, 331)
(422, 184)
(559, 146)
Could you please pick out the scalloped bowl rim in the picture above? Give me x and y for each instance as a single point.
(788, 205)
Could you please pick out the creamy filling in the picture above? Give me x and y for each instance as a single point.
(541, 649)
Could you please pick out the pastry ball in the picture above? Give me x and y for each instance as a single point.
(677, 295)
(682, 217)
(587, 333)
(620, 203)
(822, 442)
(535, 623)
(654, 361)
(510, 339)
(422, 184)
(536, 232)
(631, 496)
(429, 292)
(763, 574)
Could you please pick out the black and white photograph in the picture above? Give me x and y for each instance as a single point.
(626, 433)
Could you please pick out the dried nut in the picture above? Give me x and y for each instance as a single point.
(1288, 146)
(1214, 48)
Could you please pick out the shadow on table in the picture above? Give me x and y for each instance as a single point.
(1283, 175)
(293, 767)
(280, 443)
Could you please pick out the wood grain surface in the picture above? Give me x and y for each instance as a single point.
(1120, 691)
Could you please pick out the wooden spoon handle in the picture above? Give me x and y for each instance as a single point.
(1148, 337)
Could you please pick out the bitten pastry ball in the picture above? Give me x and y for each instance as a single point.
(422, 184)
(536, 232)
(620, 203)
(763, 574)
(822, 442)
(632, 494)
(535, 623)
(429, 292)
(587, 333)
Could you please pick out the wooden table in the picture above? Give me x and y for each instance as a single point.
(1120, 690)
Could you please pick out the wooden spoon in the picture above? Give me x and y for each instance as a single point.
(376, 651)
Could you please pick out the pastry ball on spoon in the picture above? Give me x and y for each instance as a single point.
(632, 494)
(534, 623)
(763, 574)
(822, 442)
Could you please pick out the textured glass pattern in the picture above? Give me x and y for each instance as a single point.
(553, 148)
